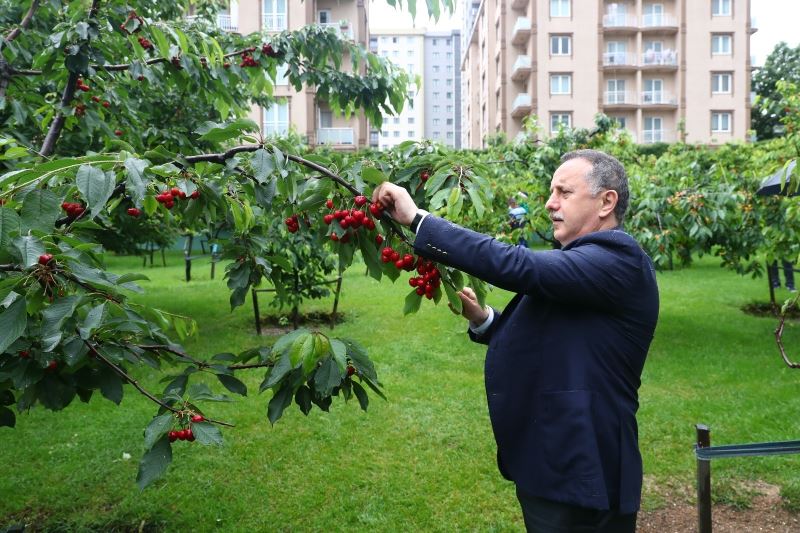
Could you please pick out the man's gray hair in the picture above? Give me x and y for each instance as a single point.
(607, 173)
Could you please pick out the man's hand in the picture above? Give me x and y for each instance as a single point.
(471, 309)
(396, 201)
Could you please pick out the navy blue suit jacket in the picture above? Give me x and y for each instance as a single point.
(565, 359)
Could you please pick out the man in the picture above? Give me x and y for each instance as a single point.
(516, 219)
(565, 356)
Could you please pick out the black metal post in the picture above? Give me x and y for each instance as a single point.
(188, 261)
(703, 481)
(255, 311)
(213, 264)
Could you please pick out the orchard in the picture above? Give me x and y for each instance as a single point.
(125, 120)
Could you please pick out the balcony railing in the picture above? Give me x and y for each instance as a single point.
(343, 30)
(519, 4)
(618, 98)
(667, 58)
(619, 20)
(618, 59)
(658, 98)
(657, 136)
(335, 136)
(273, 21)
(521, 105)
(224, 21)
(522, 30)
(658, 20)
(521, 68)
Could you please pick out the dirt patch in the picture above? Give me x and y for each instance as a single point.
(766, 309)
(764, 514)
(276, 325)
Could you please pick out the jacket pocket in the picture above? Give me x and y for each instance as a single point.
(567, 430)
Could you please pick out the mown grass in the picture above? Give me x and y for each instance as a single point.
(423, 460)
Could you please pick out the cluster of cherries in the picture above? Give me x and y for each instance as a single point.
(145, 43)
(353, 218)
(96, 99)
(292, 224)
(167, 198)
(82, 86)
(428, 280)
(185, 433)
(74, 210)
(248, 61)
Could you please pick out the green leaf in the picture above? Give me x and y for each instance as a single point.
(370, 255)
(301, 348)
(454, 202)
(263, 166)
(135, 181)
(157, 428)
(232, 384)
(207, 433)
(96, 187)
(372, 175)
(475, 196)
(53, 318)
(453, 298)
(30, 248)
(303, 399)
(339, 351)
(327, 377)
(12, 323)
(40, 209)
(279, 402)
(281, 368)
(211, 131)
(111, 386)
(361, 394)
(412, 303)
(154, 463)
(9, 227)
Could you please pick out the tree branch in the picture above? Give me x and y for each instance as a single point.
(49, 145)
(26, 21)
(11, 268)
(779, 334)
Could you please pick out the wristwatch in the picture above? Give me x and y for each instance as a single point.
(416, 220)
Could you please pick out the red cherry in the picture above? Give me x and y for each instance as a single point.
(95, 98)
(378, 238)
(106, 104)
(118, 133)
(420, 290)
(329, 203)
(399, 263)
(360, 200)
(327, 219)
(424, 175)
(25, 354)
(345, 222)
(369, 224)
(134, 212)
(334, 237)
(351, 370)
(395, 256)
(45, 259)
(52, 365)
(198, 418)
(189, 435)
(195, 195)
(140, 78)
(175, 191)
(168, 204)
(173, 436)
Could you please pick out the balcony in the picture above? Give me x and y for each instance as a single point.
(666, 60)
(519, 4)
(659, 99)
(522, 106)
(619, 60)
(522, 30)
(619, 99)
(619, 23)
(753, 24)
(343, 29)
(335, 136)
(659, 23)
(521, 68)
(657, 136)
(273, 22)
(224, 21)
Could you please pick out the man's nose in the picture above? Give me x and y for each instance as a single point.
(551, 204)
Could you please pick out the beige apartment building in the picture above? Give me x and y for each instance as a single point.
(665, 69)
(304, 111)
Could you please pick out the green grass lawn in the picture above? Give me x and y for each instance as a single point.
(424, 459)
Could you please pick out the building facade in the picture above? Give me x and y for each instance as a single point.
(404, 48)
(665, 69)
(309, 115)
(442, 86)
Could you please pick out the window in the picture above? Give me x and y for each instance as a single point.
(410, 68)
(449, 82)
(447, 42)
(435, 55)
(615, 92)
(373, 43)
(449, 134)
(721, 8)
(410, 120)
(435, 42)
(449, 68)
(325, 118)
(558, 119)
(560, 45)
(436, 68)
(410, 40)
(394, 40)
(616, 53)
(449, 55)
(435, 82)
(276, 118)
(397, 133)
(437, 134)
(559, 8)
(395, 53)
(653, 131)
(324, 16)
(721, 44)
(449, 121)
(436, 95)
(274, 15)
(721, 82)
(560, 83)
(449, 109)
(653, 15)
(720, 122)
(449, 96)
(397, 120)
(410, 53)
(436, 122)
(621, 121)
(281, 76)
(410, 133)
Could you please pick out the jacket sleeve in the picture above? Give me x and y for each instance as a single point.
(486, 336)
(598, 271)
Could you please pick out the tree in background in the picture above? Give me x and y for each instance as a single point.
(783, 63)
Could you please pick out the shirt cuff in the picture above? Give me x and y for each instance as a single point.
(481, 329)
(422, 214)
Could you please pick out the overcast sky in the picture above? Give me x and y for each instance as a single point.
(776, 20)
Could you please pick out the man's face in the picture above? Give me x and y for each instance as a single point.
(571, 207)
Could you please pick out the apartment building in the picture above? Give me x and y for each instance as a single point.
(406, 49)
(309, 115)
(665, 69)
(442, 86)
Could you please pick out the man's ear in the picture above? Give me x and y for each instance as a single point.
(609, 198)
